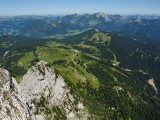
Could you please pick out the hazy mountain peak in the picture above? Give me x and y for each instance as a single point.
(139, 19)
(100, 14)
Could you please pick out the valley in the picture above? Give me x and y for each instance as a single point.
(94, 73)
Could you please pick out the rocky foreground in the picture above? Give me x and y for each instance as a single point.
(42, 94)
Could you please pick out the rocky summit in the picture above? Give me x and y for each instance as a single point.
(42, 94)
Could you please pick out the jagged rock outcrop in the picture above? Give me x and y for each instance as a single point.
(11, 106)
(42, 94)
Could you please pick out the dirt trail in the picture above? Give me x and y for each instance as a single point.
(76, 72)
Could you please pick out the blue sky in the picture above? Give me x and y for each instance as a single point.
(61, 7)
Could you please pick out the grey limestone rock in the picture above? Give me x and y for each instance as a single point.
(42, 94)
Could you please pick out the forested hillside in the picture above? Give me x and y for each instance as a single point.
(109, 71)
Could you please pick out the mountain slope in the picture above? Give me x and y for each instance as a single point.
(95, 66)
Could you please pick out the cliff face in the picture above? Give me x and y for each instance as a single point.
(42, 94)
(11, 105)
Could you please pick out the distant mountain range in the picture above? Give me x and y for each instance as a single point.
(49, 26)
